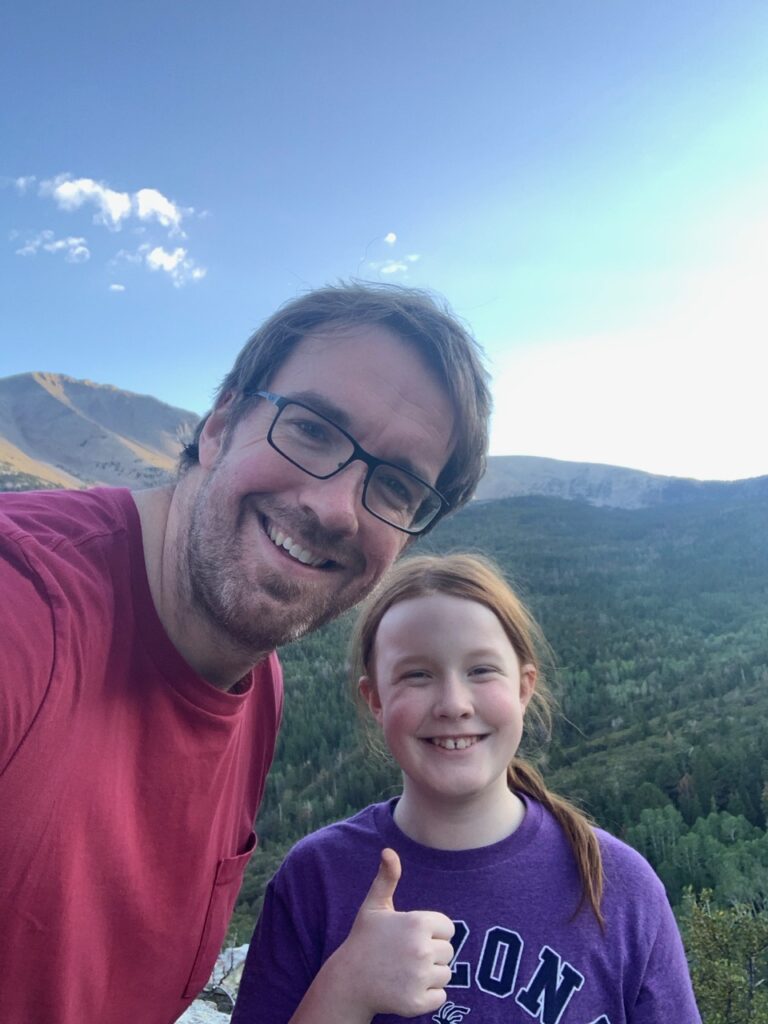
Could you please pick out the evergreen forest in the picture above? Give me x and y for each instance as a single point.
(658, 623)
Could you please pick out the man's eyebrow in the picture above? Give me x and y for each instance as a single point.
(319, 403)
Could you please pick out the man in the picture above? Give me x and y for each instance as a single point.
(140, 690)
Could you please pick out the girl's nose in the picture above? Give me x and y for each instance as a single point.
(455, 699)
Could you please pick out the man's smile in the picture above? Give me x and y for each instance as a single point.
(294, 549)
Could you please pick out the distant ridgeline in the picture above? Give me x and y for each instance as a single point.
(658, 618)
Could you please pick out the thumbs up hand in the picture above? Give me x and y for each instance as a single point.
(393, 962)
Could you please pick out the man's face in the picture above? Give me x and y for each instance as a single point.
(273, 552)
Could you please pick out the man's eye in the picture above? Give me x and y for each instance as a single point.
(308, 430)
(396, 491)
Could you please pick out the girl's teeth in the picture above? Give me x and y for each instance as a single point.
(455, 744)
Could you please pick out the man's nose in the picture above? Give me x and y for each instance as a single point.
(337, 502)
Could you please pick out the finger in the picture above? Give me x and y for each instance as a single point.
(441, 927)
(443, 952)
(441, 975)
(380, 895)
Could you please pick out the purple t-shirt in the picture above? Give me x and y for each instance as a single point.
(519, 953)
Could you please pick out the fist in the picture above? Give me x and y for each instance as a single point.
(396, 962)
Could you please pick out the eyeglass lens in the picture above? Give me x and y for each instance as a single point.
(318, 446)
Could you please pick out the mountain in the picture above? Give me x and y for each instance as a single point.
(514, 476)
(56, 431)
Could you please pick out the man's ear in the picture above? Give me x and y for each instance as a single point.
(211, 442)
(528, 675)
(367, 690)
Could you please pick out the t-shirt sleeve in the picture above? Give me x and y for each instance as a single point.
(26, 647)
(279, 967)
(666, 993)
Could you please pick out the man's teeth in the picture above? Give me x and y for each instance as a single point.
(451, 743)
(294, 550)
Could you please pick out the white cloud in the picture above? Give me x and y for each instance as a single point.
(117, 287)
(176, 264)
(24, 182)
(159, 259)
(153, 205)
(75, 250)
(126, 256)
(113, 207)
(147, 210)
(390, 238)
(392, 267)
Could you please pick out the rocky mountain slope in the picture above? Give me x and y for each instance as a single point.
(513, 476)
(56, 431)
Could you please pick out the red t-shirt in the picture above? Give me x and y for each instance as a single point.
(128, 785)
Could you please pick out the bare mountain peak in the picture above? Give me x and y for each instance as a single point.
(68, 432)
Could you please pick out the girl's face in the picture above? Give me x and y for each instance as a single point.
(450, 694)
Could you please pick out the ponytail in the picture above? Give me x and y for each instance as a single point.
(524, 778)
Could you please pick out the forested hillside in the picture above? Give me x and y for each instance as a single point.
(658, 619)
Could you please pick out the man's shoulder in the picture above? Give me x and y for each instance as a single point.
(50, 517)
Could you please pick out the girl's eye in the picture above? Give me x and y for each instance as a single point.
(483, 670)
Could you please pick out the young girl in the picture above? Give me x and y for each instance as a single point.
(478, 894)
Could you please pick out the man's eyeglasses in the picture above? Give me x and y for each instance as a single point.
(322, 448)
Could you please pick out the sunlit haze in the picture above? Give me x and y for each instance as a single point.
(586, 184)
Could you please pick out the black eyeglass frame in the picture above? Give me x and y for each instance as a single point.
(359, 454)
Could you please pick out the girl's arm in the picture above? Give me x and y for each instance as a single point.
(389, 963)
(666, 992)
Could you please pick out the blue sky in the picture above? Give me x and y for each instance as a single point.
(585, 182)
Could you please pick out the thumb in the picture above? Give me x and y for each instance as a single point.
(384, 884)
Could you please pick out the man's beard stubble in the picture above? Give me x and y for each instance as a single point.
(217, 587)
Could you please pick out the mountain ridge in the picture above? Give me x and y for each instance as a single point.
(73, 433)
(61, 431)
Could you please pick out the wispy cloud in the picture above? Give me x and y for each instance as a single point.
(175, 263)
(179, 267)
(24, 182)
(75, 250)
(395, 266)
(117, 287)
(68, 194)
(153, 205)
(148, 209)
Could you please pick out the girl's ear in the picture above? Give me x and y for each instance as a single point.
(528, 675)
(211, 442)
(367, 690)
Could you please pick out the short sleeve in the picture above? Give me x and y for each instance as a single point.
(666, 993)
(278, 969)
(26, 647)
